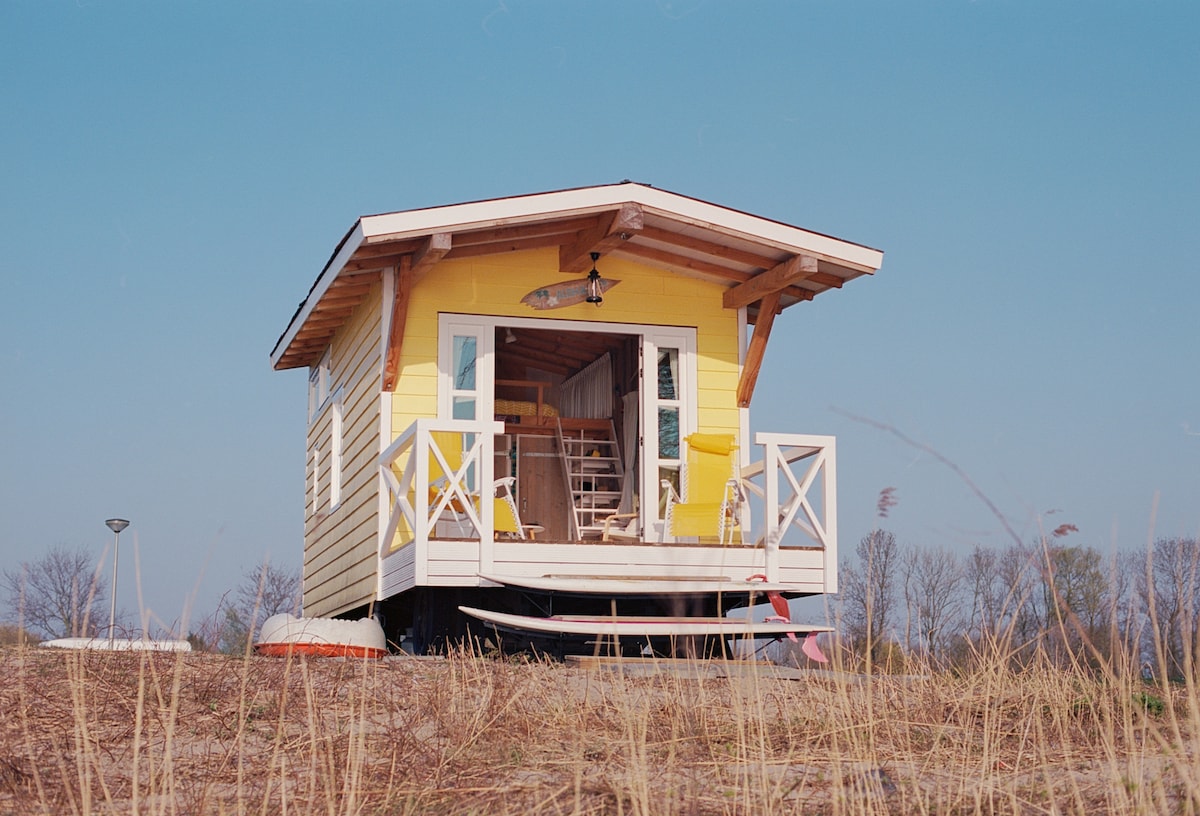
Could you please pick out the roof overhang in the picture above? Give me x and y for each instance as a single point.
(763, 263)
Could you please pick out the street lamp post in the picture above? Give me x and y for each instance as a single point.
(116, 525)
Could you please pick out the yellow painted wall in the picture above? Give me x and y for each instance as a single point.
(340, 556)
(495, 284)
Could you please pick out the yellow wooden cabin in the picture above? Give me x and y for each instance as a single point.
(537, 408)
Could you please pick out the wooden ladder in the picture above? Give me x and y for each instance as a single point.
(594, 474)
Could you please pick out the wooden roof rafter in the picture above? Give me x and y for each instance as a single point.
(542, 360)
(511, 245)
(613, 230)
(575, 352)
(540, 229)
(684, 235)
(705, 269)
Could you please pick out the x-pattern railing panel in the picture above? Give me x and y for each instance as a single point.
(785, 490)
(412, 514)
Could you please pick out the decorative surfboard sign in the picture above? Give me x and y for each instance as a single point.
(564, 293)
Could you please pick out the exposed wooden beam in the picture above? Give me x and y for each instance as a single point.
(331, 320)
(682, 263)
(432, 250)
(544, 362)
(541, 358)
(776, 279)
(404, 282)
(757, 347)
(612, 231)
(566, 226)
(575, 354)
(673, 261)
(374, 250)
(370, 264)
(512, 245)
(339, 298)
(825, 279)
(360, 282)
(678, 239)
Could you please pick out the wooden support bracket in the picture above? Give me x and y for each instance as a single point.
(614, 229)
(775, 279)
(758, 346)
(432, 250)
(404, 282)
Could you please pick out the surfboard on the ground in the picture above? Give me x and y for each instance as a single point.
(648, 626)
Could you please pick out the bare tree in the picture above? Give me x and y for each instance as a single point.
(868, 592)
(1021, 617)
(264, 591)
(60, 594)
(1169, 589)
(932, 583)
(981, 575)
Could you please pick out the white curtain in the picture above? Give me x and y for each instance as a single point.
(589, 393)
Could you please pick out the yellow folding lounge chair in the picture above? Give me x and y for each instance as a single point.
(504, 515)
(442, 484)
(712, 493)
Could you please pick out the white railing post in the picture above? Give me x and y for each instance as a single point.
(829, 493)
(771, 528)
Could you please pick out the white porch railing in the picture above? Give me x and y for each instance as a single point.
(797, 482)
(435, 473)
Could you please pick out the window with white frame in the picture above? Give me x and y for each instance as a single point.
(318, 386)
(313, 480)
(335, 450)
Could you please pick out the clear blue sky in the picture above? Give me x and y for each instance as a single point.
(174, 176)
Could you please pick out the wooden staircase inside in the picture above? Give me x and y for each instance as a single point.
(593, 471)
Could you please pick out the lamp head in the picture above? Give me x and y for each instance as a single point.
(117, 525)
(593, 283)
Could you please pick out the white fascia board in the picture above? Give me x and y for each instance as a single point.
(566, 203)
(328, 275)
(496, 212)
(783, 236)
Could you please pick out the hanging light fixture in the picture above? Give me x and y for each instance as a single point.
(593, 283)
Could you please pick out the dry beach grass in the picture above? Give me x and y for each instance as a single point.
(207, 734)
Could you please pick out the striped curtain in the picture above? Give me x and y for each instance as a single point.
(589, 393)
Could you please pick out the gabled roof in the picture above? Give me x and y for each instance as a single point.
(758, 259)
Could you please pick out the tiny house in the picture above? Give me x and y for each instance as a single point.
(534, 413)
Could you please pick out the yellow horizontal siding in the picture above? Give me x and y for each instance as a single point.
(494, 285)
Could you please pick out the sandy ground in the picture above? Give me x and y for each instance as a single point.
(89, 732)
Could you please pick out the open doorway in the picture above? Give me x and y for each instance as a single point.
(569, 401)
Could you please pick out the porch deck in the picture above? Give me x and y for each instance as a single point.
(789, 524)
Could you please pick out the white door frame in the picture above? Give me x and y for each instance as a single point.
(483, 328)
